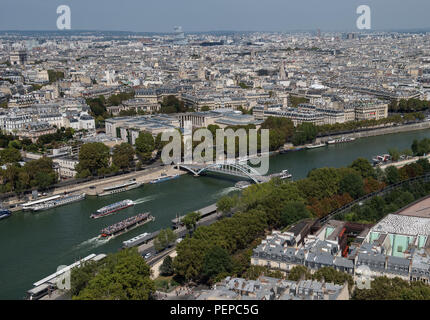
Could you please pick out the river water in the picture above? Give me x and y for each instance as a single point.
(33, 245)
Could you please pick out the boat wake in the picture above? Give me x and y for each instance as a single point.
(223, 192)
(91, 243)
(144, 199)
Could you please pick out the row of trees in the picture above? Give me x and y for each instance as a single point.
(356, 125)
(410, 105)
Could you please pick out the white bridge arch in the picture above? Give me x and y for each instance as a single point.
(238, 169)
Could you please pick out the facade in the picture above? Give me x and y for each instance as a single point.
(66, 167)
(371, 111)
(33, 130)
(320, 115)
(128, 128)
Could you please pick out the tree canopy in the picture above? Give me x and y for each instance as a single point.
(120, 276)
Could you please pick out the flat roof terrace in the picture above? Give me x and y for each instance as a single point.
(418, 209)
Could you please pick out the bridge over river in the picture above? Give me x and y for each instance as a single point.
(237, 169)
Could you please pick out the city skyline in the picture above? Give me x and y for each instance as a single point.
(196, 16)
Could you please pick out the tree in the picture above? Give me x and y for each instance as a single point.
(305, 132)
(352, 184)
(392, 175)
(80, 276)
(166, 268)
(226, 204)
(216, 261)
(422, 147)
(164, 239)
(145, 145)
(97, 105)
(298, 273)
(122, 276)
(190, 220)
(294, 211)
(363, 167)
(10, 155)
(40, 173)
(394, 154)
(93, 157)
(171, 104)
(329, 274)
(123, 155)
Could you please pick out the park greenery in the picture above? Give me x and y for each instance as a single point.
(120, 276)
(295, 101)
(171, 104)
(54, 75)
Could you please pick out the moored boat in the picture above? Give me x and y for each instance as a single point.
(58, 202)
(340, 140)
(4, 213)
(314, 146)
(165, 178)
(129, 185)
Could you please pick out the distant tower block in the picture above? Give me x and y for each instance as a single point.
(179, 35)
(282, 74)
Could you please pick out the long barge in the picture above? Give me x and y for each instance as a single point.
(126, 225)
(59, 202)
(129, 185)
(52, 202)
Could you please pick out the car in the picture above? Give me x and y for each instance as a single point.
(179, 240)
(148, 255)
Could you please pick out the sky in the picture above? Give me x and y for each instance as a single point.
(214, 15)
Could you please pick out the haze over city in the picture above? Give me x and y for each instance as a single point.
(197, 15)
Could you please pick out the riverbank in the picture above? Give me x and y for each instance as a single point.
(377, 131)
(403, 163)
(91, 188)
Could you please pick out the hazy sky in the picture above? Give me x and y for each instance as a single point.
(208, 15)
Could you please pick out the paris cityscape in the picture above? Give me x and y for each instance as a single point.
(332, 201)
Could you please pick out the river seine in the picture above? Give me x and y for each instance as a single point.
(32, 245)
